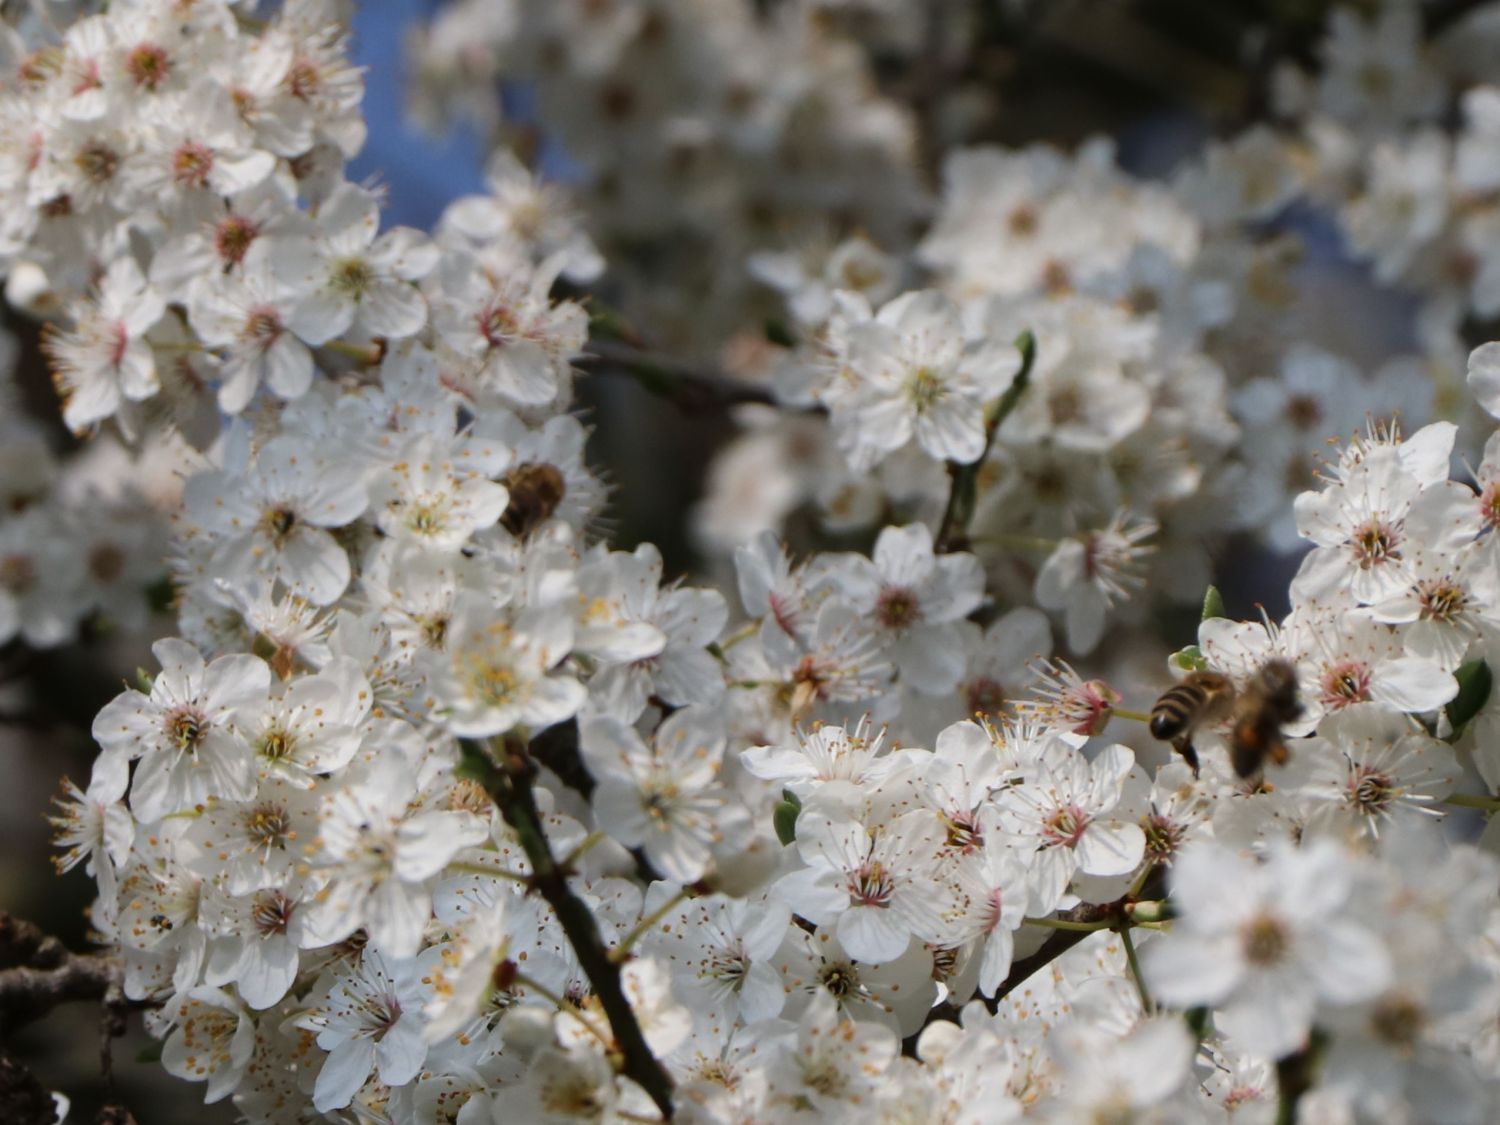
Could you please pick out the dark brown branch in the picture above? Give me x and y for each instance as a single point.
(27, 993)
(509, 784)
(23, 1098)
(691, 388)
(1058, 943)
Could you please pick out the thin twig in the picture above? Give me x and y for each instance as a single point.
(1135, 969)
(509, 783)
(953, 531)
(690, 387)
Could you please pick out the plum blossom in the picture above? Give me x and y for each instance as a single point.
(190, 734)
(1062, 810)
(667, 799)
(1267, 945)
(875, 887)
(104, 360)
(914, 376)
(369, 1019)
(274, 520)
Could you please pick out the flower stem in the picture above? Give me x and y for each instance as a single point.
(739, 635)
(532, 984)
(1135, 969)
(1038, 543)
(1472, 801)
(1133, 716)
(1066, 924)
(507, 773)
(621, 952)
(460, 868)
(586, 845)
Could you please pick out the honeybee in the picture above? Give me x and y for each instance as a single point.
(537, 490)
(1256, 714)
(1267, 703)
(1201, 698)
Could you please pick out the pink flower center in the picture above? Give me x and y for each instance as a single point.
(262, 327)
(964, 832)
(1265, 941)
(1163, 837)
(268, 825)
(97, 162)
(148, 65)
(272, 912)
(302, 79)
(499, 325)
(1376, 541)
(1442, 599)
(232, 238)
(897, 607)
(1064, 826)
(1345, 683)
(191, 164)
(1370, 791)
(871, 884)
(187, 728)
(1489, 505)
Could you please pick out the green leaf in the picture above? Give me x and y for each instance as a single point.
(1213, 604)
(785, 817)
(150, 1053)
(1474, 683)
(143, 681)
(1189, 659)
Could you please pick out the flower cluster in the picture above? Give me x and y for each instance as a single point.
(435, 808)
(80, 537)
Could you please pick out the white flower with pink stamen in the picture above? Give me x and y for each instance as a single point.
(1371, 525)
(1062, 812)
(874, 885)
(104, 360)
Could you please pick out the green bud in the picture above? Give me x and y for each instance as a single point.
(785, 817)
(1189, 659)
(1213, 604)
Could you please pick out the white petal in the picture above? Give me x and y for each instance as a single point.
(344, 1072)
(1110, 847)
(873, 934)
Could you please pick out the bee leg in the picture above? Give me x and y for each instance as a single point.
(1184, 746)
(1278, 752)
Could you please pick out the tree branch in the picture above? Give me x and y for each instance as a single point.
(509, 784)
(692, 389)
(39, 974)
(953, 531)
(1059, 943)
